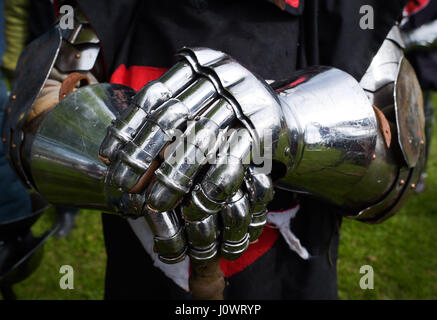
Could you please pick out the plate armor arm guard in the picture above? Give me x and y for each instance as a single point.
(364, 157)
(56, 119)
(359, 145)
(49, 68)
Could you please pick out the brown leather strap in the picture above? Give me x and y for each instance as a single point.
(384, 126)
(70, 83)
(146, 178)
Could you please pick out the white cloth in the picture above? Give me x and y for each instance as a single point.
(281, 220)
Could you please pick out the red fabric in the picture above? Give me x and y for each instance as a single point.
(414, 6)
(265, 242)
(293, 3)
(56, 7)
(136, 77)
(255, 250)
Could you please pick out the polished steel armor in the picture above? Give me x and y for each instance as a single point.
(205, 191)
(52, 55)
(391, 85)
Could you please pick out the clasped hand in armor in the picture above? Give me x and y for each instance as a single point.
(192, 157)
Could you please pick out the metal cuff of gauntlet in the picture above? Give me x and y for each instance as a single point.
(64, 153)
(55, 54)
(365, 159)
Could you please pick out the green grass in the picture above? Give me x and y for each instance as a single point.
(83, 249)
(402, 252)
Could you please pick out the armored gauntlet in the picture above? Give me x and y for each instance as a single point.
(196, 151)
(318, 130)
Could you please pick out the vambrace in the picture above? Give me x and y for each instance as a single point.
(56, 61)
(364, 157)
(58, 114)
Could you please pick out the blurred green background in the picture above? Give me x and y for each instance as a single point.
(402, 252)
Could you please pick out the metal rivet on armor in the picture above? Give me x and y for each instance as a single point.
(13, 97)
(402, 182)
(287, 151)
(77, 56)
(413, 186)
(374, 156)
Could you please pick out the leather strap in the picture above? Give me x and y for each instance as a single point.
(71, 82)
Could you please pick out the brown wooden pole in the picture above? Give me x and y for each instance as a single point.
(206, 280)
